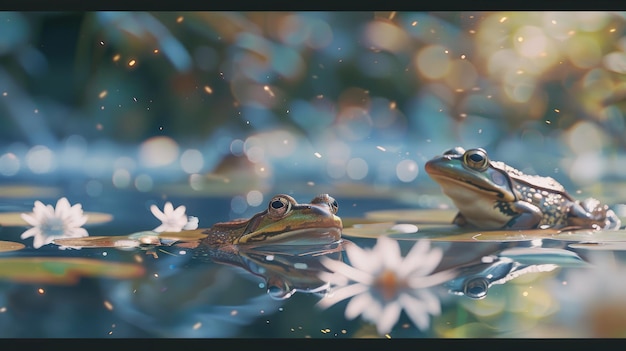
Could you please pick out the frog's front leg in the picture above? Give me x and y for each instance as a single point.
(528, 215)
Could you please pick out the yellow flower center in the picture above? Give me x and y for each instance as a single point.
(388, 285)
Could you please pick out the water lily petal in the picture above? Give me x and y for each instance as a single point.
(389, 317)
(192, 223)
(340, 294)
(30, 232)
(179, 211)
(157, 213)
(389, 250)
(362, 259)
(416, 310)
(358, 304)
(168, 208)
(347, 270)
(28, 218)
(62, 207)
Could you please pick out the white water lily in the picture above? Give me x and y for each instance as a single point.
(173, 220)
(381, 283)
(49, 223)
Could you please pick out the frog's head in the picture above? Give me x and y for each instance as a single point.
(467, 174)
(284, 222)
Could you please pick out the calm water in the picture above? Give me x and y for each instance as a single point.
(512, 294)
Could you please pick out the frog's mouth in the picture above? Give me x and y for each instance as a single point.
(304, 236)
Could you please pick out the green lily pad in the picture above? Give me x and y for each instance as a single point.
(14, 219)
(64, 270)
(610, 246)
(6, 246)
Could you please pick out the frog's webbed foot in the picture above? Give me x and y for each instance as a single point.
(590, 213)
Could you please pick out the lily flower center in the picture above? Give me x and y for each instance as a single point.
(389, 285)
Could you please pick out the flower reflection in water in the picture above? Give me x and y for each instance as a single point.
(173, 220)
(49, 223)
(380, 283)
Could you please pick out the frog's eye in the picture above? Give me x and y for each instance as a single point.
(476, 159)
(279, 206)
(334, 206)
(328, 200)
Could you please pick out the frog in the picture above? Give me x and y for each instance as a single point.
(493, 195)
(284, 221)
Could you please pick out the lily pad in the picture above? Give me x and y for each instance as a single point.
(64, 270)
(6, 246)
(14, 219)
(413, 216)
(133, 240)
(27, 191)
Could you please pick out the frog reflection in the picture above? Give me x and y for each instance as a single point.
(475, 279)
(285, 270)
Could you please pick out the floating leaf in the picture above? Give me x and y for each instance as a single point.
(6, 246)
(26, 191)
(413, 216)
(63, 270)
(14, 219)
(133, 240)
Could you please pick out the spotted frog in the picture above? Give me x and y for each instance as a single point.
(492, 195)
(284, 221)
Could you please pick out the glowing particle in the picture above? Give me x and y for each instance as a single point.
(388, 336)
(520, 39)
(102, 43)
(108, 305)
(446, 51)
(525, 293)
(208, 89)
(103, 94)
(104, 253)
(197, 326)
(180, 19)
(462, 57)
(131, 63)
(116, 57)
(156, 51)
(233, 312)
(5, 94)
(310, 183)
(548, 121)
(156, 275)
(269, 90)
(36, 111)
(553, 21)
(318, 155)
(414, 23)
(182, 252)
(40, 290)
(612, 30)
(471, 31)
(320, 96)
(3, 309)
(392, 105)
(381, 148)
(564, 283)
(343, 331)
(392, 15)
(557, 110)
(503, 19)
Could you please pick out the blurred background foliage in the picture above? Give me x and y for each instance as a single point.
(338, 97)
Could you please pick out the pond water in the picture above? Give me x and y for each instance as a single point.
(505, 284)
